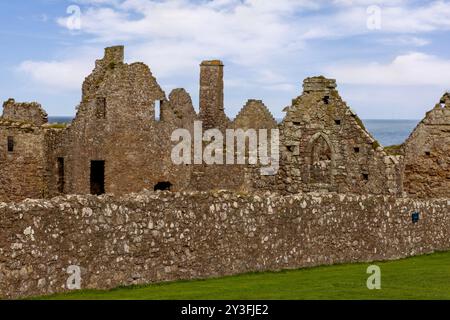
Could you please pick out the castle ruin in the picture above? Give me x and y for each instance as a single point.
(338, 196)
(119, 142)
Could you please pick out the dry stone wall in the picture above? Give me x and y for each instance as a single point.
(154, 237)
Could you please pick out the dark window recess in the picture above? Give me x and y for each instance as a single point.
(60, 168)
(163, 186)
(427, 153)
(356, 149)
(10, 144)
(296, 123)
(337, 122)
(415, 217)
(365, 176)
(97, 177)
(100, 111)
(326, 100)
(290, 148)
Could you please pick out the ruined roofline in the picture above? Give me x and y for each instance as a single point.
(115, 54)
(260, 103)
(444, 104)
(25, 112)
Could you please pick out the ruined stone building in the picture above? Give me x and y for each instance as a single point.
(120, 142)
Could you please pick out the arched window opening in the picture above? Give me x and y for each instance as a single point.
(321, 161)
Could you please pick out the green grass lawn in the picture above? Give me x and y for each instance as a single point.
(424, 277)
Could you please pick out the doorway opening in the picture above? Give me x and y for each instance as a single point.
(97, 177)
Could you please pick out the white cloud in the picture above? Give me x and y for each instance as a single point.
(65, 74)
(405, 70)
(260, 37)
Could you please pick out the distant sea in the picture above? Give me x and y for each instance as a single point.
(387, 132)
(390, 132)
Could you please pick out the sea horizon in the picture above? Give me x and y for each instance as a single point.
(381, 129)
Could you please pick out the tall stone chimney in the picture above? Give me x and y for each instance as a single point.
(114, 54)
(212, 111)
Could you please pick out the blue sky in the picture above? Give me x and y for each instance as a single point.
(391, 58)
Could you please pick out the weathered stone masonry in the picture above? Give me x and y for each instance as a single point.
(119, 142)
(150, 237)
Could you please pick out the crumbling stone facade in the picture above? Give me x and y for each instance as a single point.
(326, 147)
(24, 112)
(427, 154)
(120, 142)
(337, 197)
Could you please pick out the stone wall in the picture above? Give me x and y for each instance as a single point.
(427, 154)
(22, 161)
(117, 123)
(24, 112)
(151, 237)
(325, 146)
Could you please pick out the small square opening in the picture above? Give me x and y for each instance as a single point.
(163, 186)
(337, 122)
(356, 149)
(365, 176)
(427, 153)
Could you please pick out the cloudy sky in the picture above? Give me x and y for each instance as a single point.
(391, 58)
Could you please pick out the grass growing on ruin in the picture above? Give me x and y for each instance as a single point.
(424, 277)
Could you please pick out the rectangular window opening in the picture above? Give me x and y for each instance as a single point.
(365, 176)
(60, 168)
(356, 149)
(10, 144)
(337, 122)
(326, 99)
(101, 108)
(415, 217)
(158, 105)
(97, 177)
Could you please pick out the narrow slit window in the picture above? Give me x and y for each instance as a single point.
(10, 144)
(101, 108)
(158, 105)
(60, 168)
